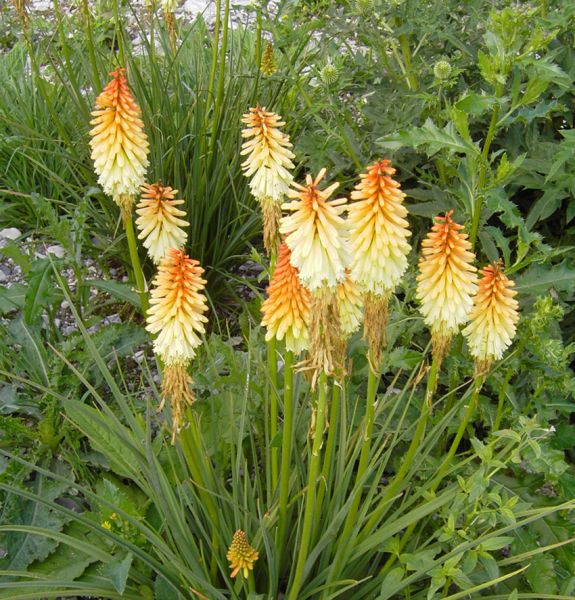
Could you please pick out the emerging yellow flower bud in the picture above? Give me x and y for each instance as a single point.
(378, 230)
(316, 234)
(119, 144)
(176, 315)
(286, 309)
(241, 555)
(159, 225)
(493, 318)
(447, 280)
(268, 66)
(269, 154)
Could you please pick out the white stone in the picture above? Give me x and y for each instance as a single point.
(10, 233)
(56, 251)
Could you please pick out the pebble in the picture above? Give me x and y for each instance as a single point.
(3, 276)
(56, 251)
(10, 233)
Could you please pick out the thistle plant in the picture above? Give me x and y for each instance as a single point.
(159, 220)
(268, 164)
(177, 317)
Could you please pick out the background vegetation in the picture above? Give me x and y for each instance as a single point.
(474, 104)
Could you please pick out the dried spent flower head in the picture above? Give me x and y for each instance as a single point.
(271, 216)
(159, 222)
(493, 318)
(241, 555)
(350, 305)
(447, 281)
(286, 309)
(177, 388)
(268, 154)
(378, 230)
(268, 66)
(119, 144)
(316, 234)
(177, 308)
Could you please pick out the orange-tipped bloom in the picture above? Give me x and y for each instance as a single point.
(241, 555)
(178, 306)
(350, 304)
(493, 318)
(286, 309)
(316, 234)
(159, 222)
(447, 279)
(119, 144)
(378, 230)
(269, 155)
(177, 317)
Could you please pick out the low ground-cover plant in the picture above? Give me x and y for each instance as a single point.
(312, 463)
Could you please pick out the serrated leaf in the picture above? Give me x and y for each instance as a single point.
(120, 291)
(67, 562)
(496, 543)
(14, 251)
(545, 206)
(104, 436)
(475, 104)
(118, 572)
(538, 279)
(12, 298)
(41, 290)
(431, 138)
(22, 549)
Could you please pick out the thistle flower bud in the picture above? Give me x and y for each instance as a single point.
(241, 555)
(159, 222)
(268, 66)
(442, 70)
(493, 318)
(286, 309)
(176, 316)
(447, 281)
(329, 74)
(119, 144)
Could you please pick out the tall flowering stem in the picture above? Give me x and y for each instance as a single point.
(311, 490)
(120, 154)
(316, 234)
(177, 317)
(378, 240)
(490, 333)
(286, 313)
(267, 164)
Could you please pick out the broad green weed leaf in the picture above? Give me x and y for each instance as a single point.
(118, 571)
